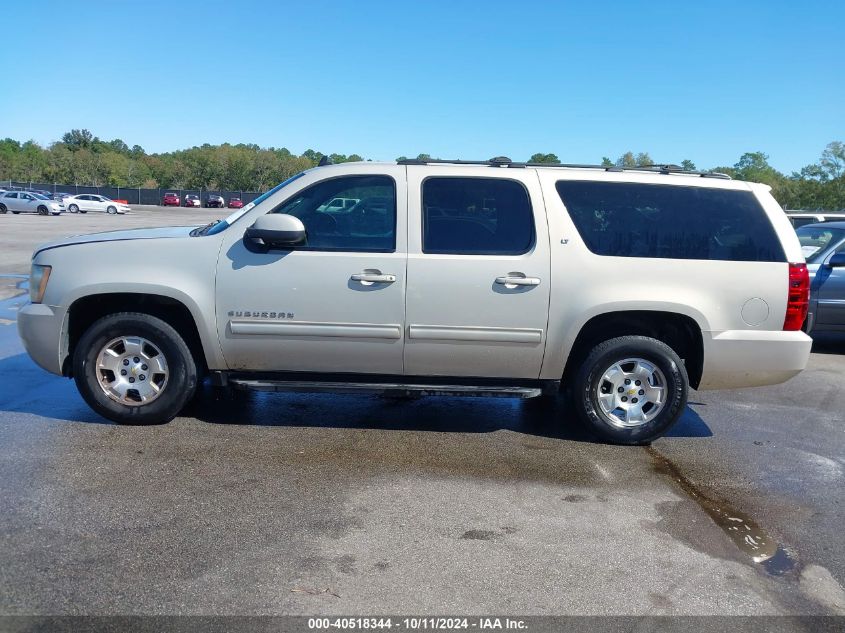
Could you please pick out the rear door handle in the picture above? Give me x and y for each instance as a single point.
(518, 280)
(374, 278)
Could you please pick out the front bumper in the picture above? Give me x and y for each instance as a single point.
(750, 358)
(40, 327)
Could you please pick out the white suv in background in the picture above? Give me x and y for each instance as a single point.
(625, 287)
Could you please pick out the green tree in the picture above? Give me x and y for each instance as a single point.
(754, 167)
(688, 164)
(644, 160)
(78, 139)
(626, 160)
(832, 162)
(544, 158)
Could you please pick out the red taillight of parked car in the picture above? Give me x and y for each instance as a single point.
(798, 299)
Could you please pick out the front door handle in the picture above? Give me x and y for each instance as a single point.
(518, 279)
(374, 278)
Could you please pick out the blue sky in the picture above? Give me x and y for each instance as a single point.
(456, 79)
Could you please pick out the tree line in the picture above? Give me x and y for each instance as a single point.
(80, 158)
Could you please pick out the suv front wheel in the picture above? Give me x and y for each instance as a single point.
(631, 389)
(134, 368)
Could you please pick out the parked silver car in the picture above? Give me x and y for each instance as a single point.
(26, 202)
(824, 248)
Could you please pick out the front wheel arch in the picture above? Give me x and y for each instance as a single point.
(83, 312)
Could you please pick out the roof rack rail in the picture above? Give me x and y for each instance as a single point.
(504, 161)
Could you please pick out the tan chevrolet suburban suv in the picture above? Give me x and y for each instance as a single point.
(623, 286)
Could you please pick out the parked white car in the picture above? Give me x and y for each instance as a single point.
(800, 218)
(27, 202)
(85, 202)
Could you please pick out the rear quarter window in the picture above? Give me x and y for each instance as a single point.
(670, 222)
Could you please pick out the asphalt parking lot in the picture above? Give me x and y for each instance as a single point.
(315, 504)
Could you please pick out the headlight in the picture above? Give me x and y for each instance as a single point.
(38, 282)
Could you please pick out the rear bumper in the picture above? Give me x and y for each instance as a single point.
(750, 358)
(40, 329)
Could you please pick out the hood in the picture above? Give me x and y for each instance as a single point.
(114, 236)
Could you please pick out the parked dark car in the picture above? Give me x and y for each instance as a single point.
(235, 203)
(824, 249)
(214, 201)
(171, 199)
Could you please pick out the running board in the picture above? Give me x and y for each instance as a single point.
(386, 388)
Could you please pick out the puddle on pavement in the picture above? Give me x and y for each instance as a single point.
(746, 533)
(15, 299)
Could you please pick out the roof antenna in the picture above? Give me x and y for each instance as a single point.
(325, 160)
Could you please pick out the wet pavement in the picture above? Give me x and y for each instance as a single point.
(311, 504)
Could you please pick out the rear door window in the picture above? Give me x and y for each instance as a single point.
(476, 216)
(668, 221)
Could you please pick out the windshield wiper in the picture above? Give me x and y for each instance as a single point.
(203, 230)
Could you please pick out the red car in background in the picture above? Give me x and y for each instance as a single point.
(235, 203)
(192, 200)
(171, 199)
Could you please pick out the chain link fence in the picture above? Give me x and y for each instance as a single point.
(132, 195)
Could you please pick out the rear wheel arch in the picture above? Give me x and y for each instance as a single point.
(85, 311)
(679, 331)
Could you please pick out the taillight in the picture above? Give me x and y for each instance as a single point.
(798, 299)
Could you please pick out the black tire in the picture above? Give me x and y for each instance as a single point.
(42, 210)
(586, 385)
(83, 211)
(3, 209)
(73, 208)
(181, 383)
(112, 210)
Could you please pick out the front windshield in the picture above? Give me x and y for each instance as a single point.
(815, 241)
(39, 196)
(237, 215)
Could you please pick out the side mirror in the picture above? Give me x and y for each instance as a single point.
(276, 229)
(837, 261)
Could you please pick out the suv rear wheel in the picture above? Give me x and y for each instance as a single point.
(631, 389)
(134, 368)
